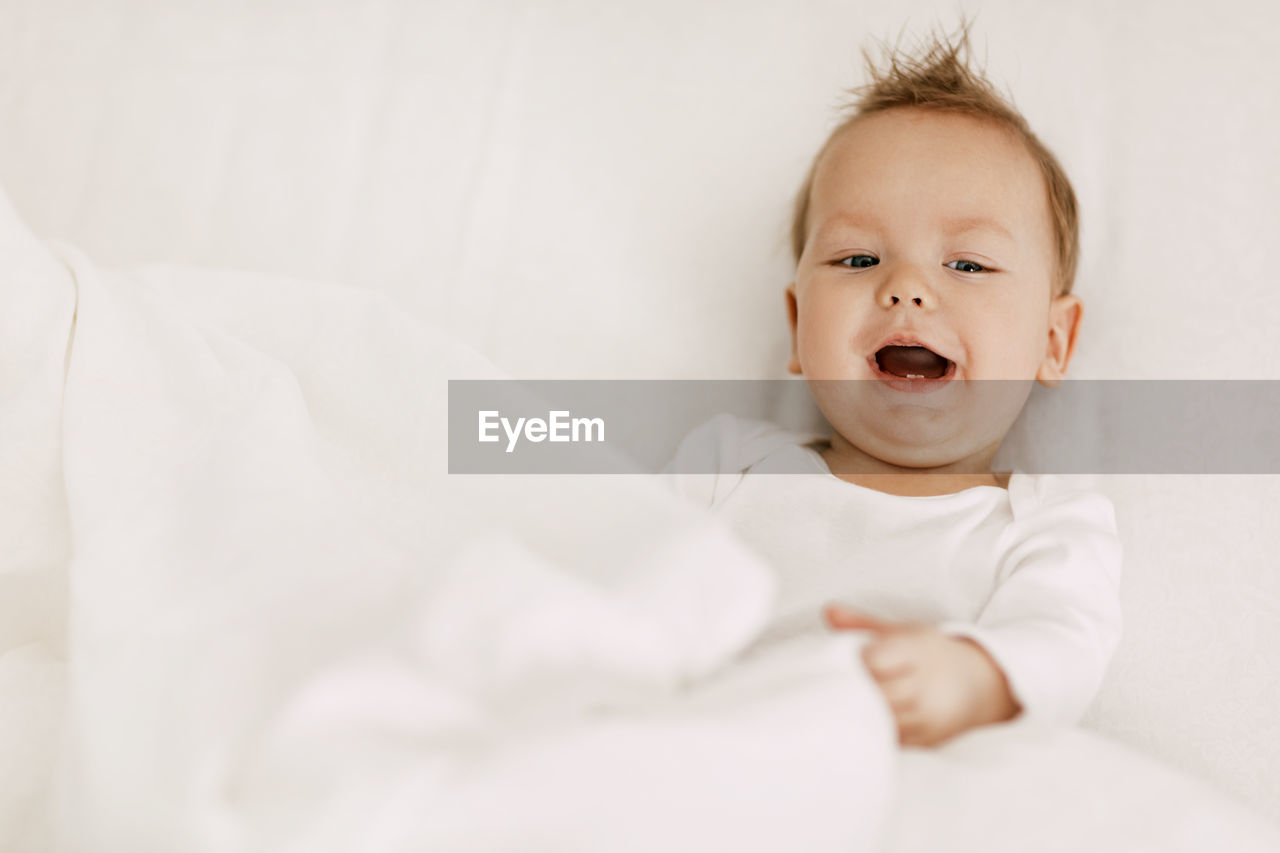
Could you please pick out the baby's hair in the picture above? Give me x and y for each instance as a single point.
(940, 79)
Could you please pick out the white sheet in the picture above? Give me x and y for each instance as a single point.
(601, 190)
(294, 631)
(589, 190)
(290, 631)
(1008, 791)
(37, 301)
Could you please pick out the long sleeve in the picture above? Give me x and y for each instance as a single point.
(1053, 620)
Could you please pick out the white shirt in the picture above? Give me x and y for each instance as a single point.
(1030, 572)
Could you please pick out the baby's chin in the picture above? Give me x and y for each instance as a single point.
(924, 460)
(922, 444)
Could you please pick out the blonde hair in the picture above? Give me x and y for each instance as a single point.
(939, 79)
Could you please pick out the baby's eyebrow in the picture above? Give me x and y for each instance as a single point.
(976, 223)
(842, 222)
(950, 227)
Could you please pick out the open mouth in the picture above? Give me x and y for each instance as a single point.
(912, 368)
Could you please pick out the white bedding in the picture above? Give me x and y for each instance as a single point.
(1007, 791)
(581, 189)
(290, 631)
(294, 631)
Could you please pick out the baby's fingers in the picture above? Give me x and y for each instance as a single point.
(915, 732)
(915, 728)
(889, 656)
(903, 695)
(847, 619)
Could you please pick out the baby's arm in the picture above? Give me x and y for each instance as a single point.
(1054, 620)
(1048, 630)
(936, 685)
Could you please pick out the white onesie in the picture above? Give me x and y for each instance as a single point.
(1031, 573)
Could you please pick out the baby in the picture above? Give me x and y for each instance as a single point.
(935, 241)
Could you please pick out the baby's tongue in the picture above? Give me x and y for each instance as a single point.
(916, 361)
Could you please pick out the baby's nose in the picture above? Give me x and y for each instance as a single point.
(912, 297)
(907, 286)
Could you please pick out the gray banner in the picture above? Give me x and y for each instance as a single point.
(1079, 427)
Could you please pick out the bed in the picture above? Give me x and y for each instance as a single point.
(247, 246)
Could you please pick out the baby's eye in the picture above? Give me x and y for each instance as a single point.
(856, 259)
(980, 268)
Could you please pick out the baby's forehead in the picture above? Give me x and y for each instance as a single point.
(952, 165)
(934, 136)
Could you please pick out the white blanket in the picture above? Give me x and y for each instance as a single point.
(290, 630)
(293, 631)
(511, 168)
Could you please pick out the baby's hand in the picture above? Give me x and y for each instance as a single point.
(937, 685)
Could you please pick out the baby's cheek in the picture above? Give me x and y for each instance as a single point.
(1007, 352)
(827, 351)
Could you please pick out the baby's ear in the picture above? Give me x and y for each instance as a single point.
(1064, 325)
(793, 312)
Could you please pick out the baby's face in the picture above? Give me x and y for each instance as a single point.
(927, 229)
